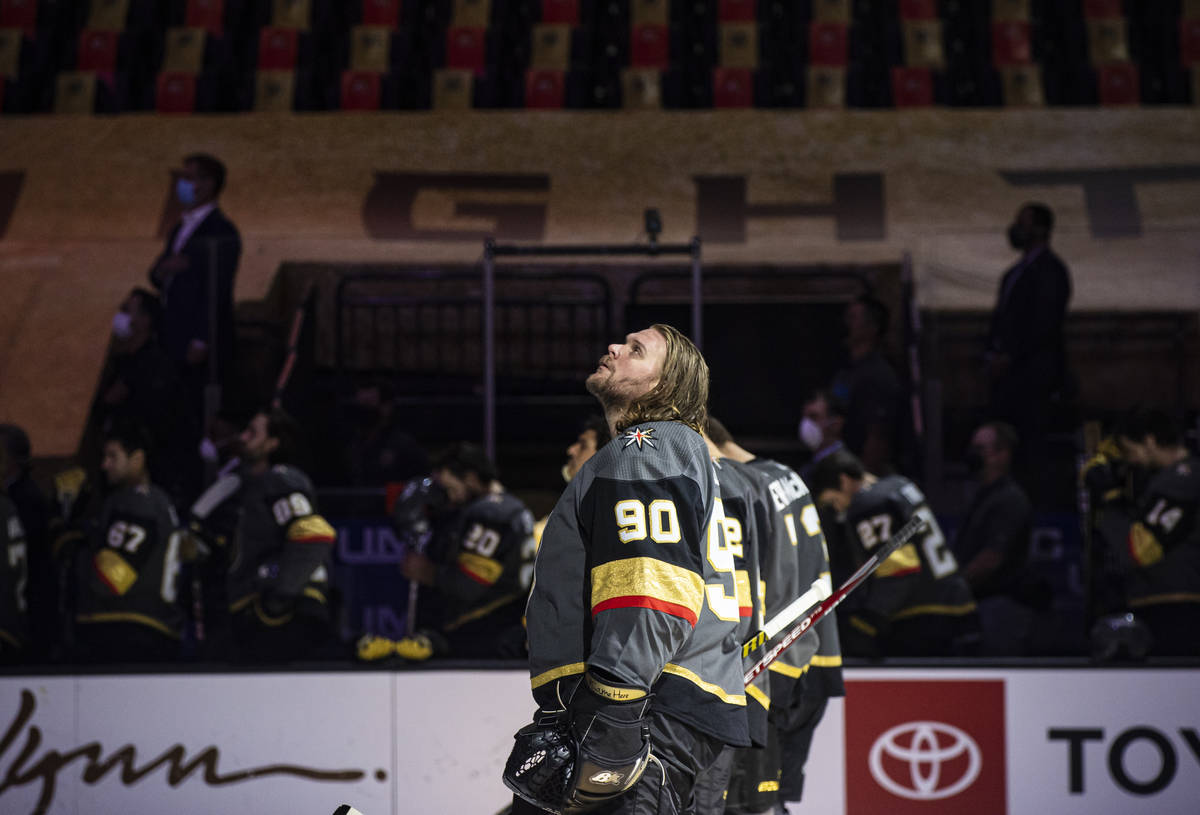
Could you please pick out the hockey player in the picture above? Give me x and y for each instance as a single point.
(746, 779)
(633, 615)
(917, 603)
(810, 671)
(1162, 585)
(126, 592)
(264, 512)
(478, 570)
(593, 436)
(14, 574)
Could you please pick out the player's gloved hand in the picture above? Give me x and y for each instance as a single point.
(70, 493)
(417, 647)
(612, 739)
(542, 762)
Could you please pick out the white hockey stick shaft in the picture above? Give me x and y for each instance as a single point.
(906, 533)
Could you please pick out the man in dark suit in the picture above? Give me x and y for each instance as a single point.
(1026, 352)
(194, 277)
(205, 243)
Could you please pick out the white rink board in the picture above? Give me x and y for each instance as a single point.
(435, 741)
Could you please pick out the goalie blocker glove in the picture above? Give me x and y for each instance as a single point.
(577, 759)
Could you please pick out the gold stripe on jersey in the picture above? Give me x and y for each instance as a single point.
(557, 673)
(902, 561)
(9, 638)
(757, 694)
(127, 617)
(863, 626)
(481, 569)
(934, 608)
(1143, 546)
(482, 611)
(647, 582)
(820, 661)
(1160, 599)
(115, 571)
(790, 671)
(311, 529)
(708, 687)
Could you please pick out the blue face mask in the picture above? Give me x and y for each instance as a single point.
(185, 191)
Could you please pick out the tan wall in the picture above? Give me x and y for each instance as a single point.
(94, 194)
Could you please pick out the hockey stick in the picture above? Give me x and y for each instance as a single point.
(906, 533)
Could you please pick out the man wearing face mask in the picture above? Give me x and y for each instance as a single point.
(139, 383)
(821, 424)
(993, 542)
(1025, 352)
(194, 275)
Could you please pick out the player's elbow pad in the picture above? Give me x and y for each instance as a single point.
(612, 740)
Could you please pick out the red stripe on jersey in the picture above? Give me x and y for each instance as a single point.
(641, 601)
(745, 611)
(902, 572)
(314, 539)
(105, 580)
(480, 579)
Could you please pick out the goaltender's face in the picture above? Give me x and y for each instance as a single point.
(629, 370)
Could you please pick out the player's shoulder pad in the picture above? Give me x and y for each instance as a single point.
(649, 451)
(284, 478)
(498, 509)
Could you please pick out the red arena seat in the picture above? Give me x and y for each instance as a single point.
(175, 92)
(1118, 84)
(206, 14)
(649, 46)
(97, 51)
(560, 11)
(466, 48)
(277, 48)
(733, 88)
(360, 90)
(544, 89)
(828, 44)
(912, 87)
(381, 12)
(1010, 43)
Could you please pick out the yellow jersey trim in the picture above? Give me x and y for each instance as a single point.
(708, 687)
(757, 694)
(819, 661)
(479, 568)
(905, 559)
(127, 617)
(789, 670)
(557, 673)
(482, 611)
(1144, 546)
(933, 608)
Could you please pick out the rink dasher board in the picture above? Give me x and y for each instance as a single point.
(903, 741)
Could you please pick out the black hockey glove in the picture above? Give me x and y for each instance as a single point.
(612, 740)
(542, 762)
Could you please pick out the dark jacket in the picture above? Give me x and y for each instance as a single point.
(1027, 323)
(186, 295)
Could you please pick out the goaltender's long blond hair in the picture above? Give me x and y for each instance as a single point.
(681, 394)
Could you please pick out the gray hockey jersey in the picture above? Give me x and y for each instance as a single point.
(634, 579)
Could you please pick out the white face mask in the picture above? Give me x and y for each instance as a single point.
(122, 325)
(811, 434)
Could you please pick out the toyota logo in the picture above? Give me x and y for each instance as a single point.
(925, 747)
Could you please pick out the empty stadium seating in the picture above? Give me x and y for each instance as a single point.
(584, 53)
